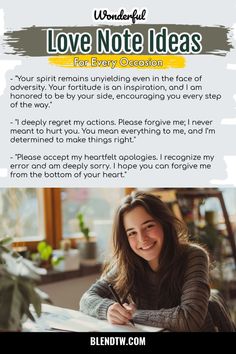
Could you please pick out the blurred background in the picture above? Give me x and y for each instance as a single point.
(68, 231)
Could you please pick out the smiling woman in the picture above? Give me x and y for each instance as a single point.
(145, 235)
(164, 277)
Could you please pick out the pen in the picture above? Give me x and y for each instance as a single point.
(116, 297)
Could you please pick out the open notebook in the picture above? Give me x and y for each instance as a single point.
(83, 325)
(61, 319)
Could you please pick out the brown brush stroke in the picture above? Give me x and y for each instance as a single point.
(31, 41)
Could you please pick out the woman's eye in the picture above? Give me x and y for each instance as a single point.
(130, 234)
(150, 226)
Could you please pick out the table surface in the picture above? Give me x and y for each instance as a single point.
(56, 319)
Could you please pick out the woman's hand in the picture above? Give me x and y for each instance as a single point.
(116, 314)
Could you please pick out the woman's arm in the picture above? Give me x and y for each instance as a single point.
(191, 314)
(96, 300)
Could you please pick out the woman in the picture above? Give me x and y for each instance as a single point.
(154, 267)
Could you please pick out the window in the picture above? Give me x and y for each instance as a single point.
(98, 206)
(229, 195)
(30, 215)
(21, 214)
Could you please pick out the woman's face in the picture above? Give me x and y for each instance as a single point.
(145, 235)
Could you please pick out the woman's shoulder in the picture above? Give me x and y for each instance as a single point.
(197, 263)
(194, 250)
(110, 272)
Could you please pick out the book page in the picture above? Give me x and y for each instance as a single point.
(77, 325)
(63, 319)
